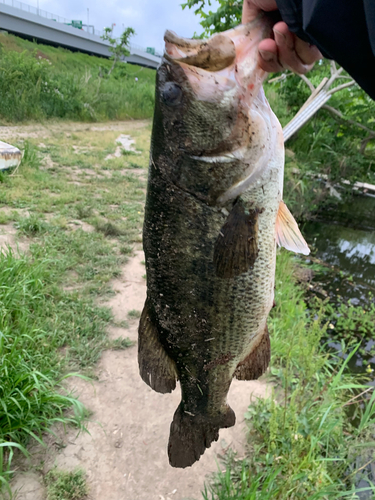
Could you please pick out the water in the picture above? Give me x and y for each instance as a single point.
(349, 249)
(346, 241)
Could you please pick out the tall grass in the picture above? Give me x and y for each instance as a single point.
(35, 85)
(302, 441)
(36, 319)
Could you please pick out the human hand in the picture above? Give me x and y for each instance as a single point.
(286, 50)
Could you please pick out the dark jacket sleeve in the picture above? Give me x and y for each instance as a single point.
(343, 30)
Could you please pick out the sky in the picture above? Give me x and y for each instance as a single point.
(149, 18)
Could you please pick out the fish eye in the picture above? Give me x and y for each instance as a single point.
(171, 94)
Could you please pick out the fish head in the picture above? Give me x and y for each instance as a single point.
(210, 100)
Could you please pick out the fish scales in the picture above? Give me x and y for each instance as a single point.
(213, 201)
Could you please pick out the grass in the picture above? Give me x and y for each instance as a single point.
(50, 323)
(305, 441)
(121, 343)
(33, 326)
(38, 82)
(32, 225)
(64, 485)
(109, 228)
(127, 152)
(134, 314)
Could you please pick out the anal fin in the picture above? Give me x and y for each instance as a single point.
(256, 363)
(156, 368)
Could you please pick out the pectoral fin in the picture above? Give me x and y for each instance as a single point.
(236, 248)
(288, 234)
(156, 368)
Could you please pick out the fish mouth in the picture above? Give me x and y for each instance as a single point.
(214, 54)
(231, 57)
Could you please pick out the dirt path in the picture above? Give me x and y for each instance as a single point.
(125, 453)
(45, 130)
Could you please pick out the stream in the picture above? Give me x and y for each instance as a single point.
(345, 241)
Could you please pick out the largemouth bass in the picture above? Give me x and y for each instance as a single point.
(213, 216)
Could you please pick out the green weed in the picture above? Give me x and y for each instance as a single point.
(120, 343)
(64, 485)
(3, 176)
(108, 228)
(33, 324)
(32, 225)
(30, 156)
(134, 165)
(134, 314)
(4, 217)
(127, 152)
(351, 324)
(84, 211)
(126, 250)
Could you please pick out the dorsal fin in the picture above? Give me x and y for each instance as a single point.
(288, 234)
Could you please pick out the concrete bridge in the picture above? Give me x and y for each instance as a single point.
(28, 22)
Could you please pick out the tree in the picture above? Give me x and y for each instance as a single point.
(227, 15)
(118, 46)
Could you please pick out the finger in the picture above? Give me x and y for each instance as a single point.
(252, 8)
(266, 5)
(268, 58)
(287, 54)
(306, 52)
(249, 11)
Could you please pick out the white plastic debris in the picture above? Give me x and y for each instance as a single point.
(9, 156)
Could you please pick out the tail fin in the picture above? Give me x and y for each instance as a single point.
(190, 435)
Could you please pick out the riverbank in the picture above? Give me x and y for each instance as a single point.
(70, 217)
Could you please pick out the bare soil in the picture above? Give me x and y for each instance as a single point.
(9, 238)
(40, 130)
